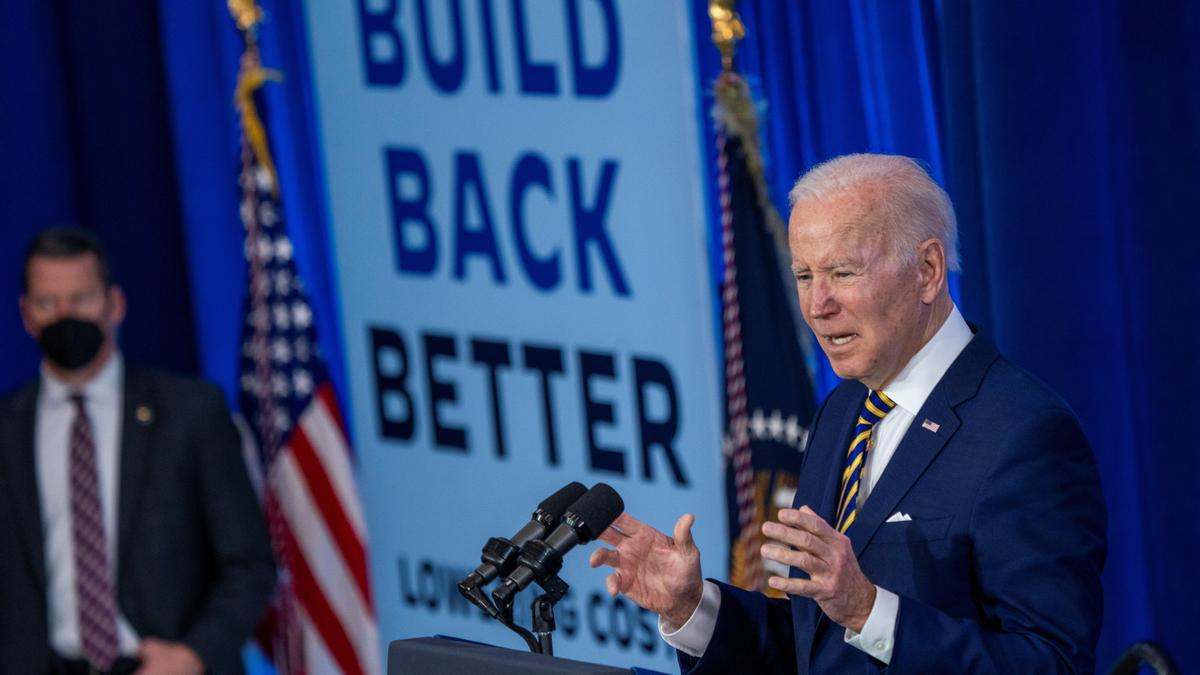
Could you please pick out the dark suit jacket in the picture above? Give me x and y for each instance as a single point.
(999, 569)
(194, 560)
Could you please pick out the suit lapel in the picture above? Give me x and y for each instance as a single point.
(916, 450)
(920, 445)
(23, 484)
(138, 415)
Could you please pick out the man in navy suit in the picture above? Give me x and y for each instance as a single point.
(949, 515)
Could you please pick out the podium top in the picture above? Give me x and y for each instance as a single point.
(443, 656)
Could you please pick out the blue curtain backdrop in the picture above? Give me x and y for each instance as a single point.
(1067, 133)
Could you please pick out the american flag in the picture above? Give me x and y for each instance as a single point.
(321, 619)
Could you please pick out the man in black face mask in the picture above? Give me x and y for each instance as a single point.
(130, 537)
(71, 307)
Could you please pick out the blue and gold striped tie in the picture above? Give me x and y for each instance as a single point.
(875, 408)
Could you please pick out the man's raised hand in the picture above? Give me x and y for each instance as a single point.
(659, 573)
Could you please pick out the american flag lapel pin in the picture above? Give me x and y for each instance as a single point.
(931, 425)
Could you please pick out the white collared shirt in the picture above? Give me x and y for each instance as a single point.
(908, 390)
(103, 401)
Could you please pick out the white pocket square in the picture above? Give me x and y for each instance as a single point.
(898, 517)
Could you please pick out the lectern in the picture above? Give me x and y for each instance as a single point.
(446, 656)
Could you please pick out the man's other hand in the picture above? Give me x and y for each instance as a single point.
(659, 573)
(159, 657)
(835, 582)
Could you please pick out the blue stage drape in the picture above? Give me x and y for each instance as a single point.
(1076, 131)
(1067, 133)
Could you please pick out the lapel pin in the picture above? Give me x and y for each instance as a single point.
(144, 414)
(931, 425)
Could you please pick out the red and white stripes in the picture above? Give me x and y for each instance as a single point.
(324, 534)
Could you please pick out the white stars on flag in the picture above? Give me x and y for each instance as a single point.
(301, 315)
(773, 426)
(283, 249)
(262, 179)
(283, 281)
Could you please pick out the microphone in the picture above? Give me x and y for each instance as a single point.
(499, 555)
(540, 560)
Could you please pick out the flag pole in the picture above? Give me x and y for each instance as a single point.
(734, 108)
(251, 77)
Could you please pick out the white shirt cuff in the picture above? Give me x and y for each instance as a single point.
(693, 636)
(878, 635)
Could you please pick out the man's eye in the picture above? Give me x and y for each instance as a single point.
(804, 277)
(842, 274)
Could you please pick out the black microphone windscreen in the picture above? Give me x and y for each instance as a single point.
(596, 510)
(556, 504)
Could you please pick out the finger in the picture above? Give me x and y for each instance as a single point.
(807, 520)
(801, 560)
(611, 536)
(803, 587)
(628, 524)
(683, 531)
(624, 526)
(612, 583)
(797, 538)
(604, 556)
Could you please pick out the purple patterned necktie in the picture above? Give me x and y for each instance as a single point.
(97, 606)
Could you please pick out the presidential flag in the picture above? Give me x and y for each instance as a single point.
(768, 390)
(321, 618)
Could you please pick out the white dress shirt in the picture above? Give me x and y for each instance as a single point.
(908, 389)
(52, 441)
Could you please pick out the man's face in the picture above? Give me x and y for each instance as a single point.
(865, 308)
(70, 287)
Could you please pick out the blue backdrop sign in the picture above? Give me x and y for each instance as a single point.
(517, 203)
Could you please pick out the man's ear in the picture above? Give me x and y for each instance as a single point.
(26, 321)
(931, 269)
(116, 306)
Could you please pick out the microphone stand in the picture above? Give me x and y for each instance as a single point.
(543, 612)
(539, 640)
(506, 620)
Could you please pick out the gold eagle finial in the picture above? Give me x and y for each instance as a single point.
(727, 29)
(247, 13)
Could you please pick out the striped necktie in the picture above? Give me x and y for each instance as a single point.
(97, 605)
(875, 408)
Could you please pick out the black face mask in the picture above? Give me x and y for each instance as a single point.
(71, 343)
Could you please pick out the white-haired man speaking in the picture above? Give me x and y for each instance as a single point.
(949, 515)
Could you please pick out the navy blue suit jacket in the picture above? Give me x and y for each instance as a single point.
(999, 569)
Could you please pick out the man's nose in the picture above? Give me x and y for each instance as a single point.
(822, 301)
(61, 308)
